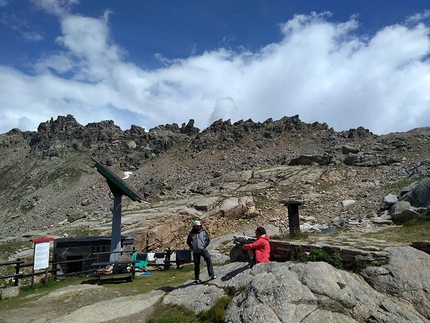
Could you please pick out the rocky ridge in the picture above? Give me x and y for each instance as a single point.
(233, 175)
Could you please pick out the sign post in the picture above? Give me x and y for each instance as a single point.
(41, 257)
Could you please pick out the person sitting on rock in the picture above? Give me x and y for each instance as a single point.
(258, 251)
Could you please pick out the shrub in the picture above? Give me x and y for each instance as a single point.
(217, 312)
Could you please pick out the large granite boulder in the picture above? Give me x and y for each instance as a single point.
(406, 277)
(316, 291)
(418, 194)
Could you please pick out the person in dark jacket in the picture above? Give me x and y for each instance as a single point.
(198, 240)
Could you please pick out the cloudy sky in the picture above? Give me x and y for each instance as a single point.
(348, 63)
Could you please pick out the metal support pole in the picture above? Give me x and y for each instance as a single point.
(293, 219)
(293, 215)
(17, 267)
(116, 229)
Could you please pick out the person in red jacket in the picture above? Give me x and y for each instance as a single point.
(261, 248)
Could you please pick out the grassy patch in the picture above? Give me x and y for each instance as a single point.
(10, 247)
(322, 255)
(79, 232)
(341, 285)
(38, 289)
(411, 231)
(173, 314)
(165, 280)
(299, 235)
(180, 314)
(217, 312)
(421, 220)
(302, 236)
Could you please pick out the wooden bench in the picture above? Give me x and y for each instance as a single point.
(128, 276)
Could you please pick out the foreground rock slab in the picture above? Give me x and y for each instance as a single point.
(116, 308)
(316, 291)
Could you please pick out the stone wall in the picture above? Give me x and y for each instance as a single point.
(285, 250)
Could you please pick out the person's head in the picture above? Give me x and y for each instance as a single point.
(197, 224)
(260, 231)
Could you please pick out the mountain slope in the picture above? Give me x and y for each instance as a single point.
(47, 176)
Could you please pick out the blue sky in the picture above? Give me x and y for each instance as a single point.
(344, 62)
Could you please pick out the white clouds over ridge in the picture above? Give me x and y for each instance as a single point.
(320, 70)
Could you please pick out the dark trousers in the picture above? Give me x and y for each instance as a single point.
(207, 257)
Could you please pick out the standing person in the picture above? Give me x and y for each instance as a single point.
(260, 247)
(198, 240)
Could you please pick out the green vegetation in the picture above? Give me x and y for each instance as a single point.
(62, 177)
(322, 255)
(421, 220)
(397, 186)
(180, 314)
(341, 285)
(302, 236)
(217, 312)
(299, 235)
(173, 314)
(41, 289)
(334, 260)
(166, 280)
(7, 270)
(10, 247)
(411, 231)
(80, 232)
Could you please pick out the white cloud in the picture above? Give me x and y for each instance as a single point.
(32, 36)
(223, 109)
(320, 70)
(56, 7)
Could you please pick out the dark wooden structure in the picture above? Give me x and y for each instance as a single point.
(75, 255)
(118, 188)
(293, 215)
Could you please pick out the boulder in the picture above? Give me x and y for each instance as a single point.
(206, 204)
(388, 202)
(405, 216)
(406, 277)
(197, 298)
(9, 292)
(399, 207)
(316, 292)
(347, 203)
(115, 309)
(422, 245)
(418, 195)
(234, 208)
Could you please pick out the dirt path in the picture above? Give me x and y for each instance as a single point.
(83, 303)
